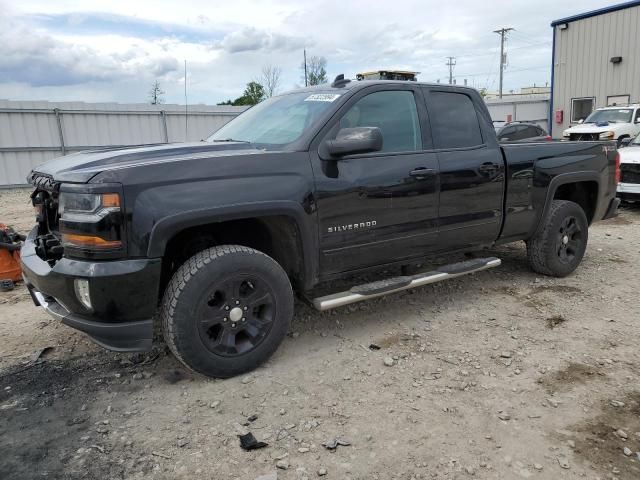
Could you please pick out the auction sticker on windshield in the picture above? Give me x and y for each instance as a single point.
(322, 97)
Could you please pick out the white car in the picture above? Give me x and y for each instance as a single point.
(629, 186)
(608, 123)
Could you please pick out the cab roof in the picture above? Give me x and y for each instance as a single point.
(357, 84)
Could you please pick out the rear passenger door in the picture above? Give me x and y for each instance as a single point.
(471, 169)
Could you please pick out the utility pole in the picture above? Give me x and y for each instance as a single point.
(503, 36)
(451, 62)
(305, 67)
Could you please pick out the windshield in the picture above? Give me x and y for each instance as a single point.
(276, 121)
(622, 115)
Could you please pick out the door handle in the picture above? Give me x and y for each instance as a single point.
(488, 167)
(422, 172)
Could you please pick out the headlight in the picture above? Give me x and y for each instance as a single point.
(607, 135)
(78, 202)
(90, 221)
(566, 134)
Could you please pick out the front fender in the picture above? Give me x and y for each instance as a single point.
(167, 227)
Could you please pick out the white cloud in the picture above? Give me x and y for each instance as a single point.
(114, 49)
(253, 39)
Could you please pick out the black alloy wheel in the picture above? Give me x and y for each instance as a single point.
(237, 315)
(569, 239)
(226, 310)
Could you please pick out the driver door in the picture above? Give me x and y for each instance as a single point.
(380, 207)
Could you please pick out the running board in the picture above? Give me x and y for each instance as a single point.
(397, 284)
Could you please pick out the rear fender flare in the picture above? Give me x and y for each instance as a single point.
(556, 182)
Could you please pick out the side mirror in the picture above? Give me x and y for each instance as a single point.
(625, 142)
(504, 139)
(355, 140)
(581, 121)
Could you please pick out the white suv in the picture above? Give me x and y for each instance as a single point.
(629, 185)
(608, 123)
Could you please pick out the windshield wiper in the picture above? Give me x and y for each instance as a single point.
(231, 140)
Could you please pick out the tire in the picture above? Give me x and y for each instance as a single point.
(226, 310)
(559, 245)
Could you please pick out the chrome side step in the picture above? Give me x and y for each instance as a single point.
(397, 284)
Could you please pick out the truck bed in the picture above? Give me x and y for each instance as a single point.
(534, 170)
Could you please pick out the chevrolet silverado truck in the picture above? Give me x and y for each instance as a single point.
(211, 239)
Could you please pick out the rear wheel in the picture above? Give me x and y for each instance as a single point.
(226, 310)
(558, 247)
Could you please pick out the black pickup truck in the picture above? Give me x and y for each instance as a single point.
(211, 239)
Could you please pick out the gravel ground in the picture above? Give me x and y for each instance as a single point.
(504, 374)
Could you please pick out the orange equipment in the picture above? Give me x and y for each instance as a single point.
(10, 243)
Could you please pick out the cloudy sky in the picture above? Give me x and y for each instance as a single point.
(111, 50)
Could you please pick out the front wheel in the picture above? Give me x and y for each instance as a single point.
(558, 247)
(226, 310)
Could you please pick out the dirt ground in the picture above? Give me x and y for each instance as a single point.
(500, 375)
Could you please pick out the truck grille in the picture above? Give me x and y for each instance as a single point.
(630, 173)
(45, 201)
(584, 136)
(42, 181)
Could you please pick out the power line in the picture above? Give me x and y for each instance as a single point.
(503, 36)
(451, 62)
(525, 37)
(480, 74)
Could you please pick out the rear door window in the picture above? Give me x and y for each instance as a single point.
(454, 121)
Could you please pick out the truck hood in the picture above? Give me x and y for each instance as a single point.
(83, 166)
(595, 127)
(630, 154)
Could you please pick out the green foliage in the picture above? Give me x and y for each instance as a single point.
(253, 94)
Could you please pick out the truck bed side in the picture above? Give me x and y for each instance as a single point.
(536, 173)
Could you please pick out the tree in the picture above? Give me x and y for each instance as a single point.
(254, 93)
(156, 94)
(271, 77)
(316, 70)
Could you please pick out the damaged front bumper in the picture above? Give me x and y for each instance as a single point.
(124, 296)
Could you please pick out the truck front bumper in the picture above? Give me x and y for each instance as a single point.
(629, 191)
(124, 296)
